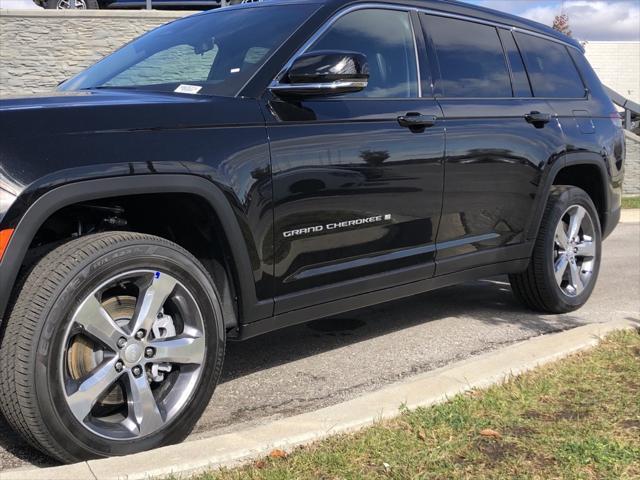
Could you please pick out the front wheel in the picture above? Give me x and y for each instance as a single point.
(566, 257)
(114, 345)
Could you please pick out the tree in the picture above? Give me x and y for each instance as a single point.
(561, 24)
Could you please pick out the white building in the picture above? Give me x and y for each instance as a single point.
(618, 66)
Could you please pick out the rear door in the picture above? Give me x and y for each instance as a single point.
(496, 151)
(555, 76)
(357, 196)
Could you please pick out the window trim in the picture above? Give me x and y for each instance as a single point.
(387, 6)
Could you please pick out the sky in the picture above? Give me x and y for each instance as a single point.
(612, 20)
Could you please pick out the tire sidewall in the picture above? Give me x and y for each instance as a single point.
(61, 423)
(566, 199)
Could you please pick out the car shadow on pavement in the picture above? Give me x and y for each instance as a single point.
(489, 301)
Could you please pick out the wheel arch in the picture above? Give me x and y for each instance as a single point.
(66, 195)
(564, 169)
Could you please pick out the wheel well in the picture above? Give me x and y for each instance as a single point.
(588, 178)
(186, 219)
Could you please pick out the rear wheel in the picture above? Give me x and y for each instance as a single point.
(114, 346)
(566, 257)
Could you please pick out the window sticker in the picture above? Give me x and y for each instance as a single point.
(192, 89)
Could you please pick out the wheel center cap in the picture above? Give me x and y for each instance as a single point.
(133, 353)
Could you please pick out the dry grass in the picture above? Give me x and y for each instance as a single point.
(578, 418)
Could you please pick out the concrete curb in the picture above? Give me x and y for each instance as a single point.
(630, 215)
(422, 390)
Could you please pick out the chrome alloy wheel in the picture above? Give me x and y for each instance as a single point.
(575, 250)
(64, 4)
(132, 355)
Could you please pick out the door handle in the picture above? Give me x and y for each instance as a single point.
(417, 120)
(538, 119)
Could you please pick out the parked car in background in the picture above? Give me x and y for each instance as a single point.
(254, 167)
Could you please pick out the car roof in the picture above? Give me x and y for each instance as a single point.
(445, 6)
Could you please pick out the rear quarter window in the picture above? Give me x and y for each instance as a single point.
(551, 69)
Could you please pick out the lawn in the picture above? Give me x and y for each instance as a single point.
(577, 418)
(630, 202)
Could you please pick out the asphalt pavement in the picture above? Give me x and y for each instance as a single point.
(310, 366)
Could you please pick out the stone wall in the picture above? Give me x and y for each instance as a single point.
(40, 48)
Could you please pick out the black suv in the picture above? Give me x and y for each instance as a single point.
(259, 166)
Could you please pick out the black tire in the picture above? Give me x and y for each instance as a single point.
(537, 287)
(34, 332)
(57, 4)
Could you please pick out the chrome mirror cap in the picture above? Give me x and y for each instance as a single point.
(323, 88)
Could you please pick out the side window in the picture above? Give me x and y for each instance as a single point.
(551, 69)
(471, 59)
(386, 38)
(519, 79)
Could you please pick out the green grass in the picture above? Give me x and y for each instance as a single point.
(578, 418)
(630, 202)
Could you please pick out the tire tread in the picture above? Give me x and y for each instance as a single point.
(24, 321)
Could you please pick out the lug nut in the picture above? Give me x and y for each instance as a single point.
(149, 352)
(119, 366)
(122, 342)
(137, 371)
(140, 334)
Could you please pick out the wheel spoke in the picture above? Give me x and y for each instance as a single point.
(179, 350)
(151, 300)
(575, 221)
(560, 267)
(561, 238)
(143, 408)
(576, 280)
(92, 388)
(586, 249)
(97, 322)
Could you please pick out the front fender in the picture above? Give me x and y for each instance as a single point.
(38, 208)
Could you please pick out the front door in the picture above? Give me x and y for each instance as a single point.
(357, 196)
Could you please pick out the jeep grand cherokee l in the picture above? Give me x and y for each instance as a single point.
(254, 167)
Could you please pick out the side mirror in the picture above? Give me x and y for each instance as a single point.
(324, 73)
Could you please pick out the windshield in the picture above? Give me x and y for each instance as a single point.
(214, 53)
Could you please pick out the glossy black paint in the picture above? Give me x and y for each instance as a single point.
(464, 192)
(338, 160)
(79, 136)
(328, 66)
